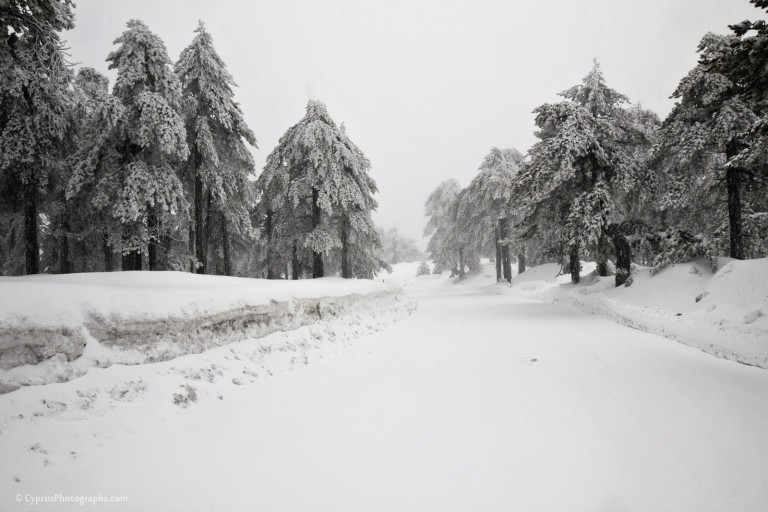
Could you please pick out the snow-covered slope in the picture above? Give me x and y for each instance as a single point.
(52, 328)
(723, 313)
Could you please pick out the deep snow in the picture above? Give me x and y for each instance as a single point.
(478, 401)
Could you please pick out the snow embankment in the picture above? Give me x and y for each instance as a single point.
(724, 313)
(54, 327)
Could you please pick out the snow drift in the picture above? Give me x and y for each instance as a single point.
(53, 327)
(724, 313)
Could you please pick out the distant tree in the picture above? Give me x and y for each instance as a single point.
(447, 245)
(482, 212)
(317, 195)
(423, 269)
(131, 168)
(34, 121)
(220, 162)
(396, 248)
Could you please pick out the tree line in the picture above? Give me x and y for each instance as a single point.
(158, 174)
(609, 181)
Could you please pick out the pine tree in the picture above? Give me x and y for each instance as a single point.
(34, 126)
(587, 159)
(317, 195)
(131, 168)
(698, 166)
(446, 243)
(220, 161)
(482, 211)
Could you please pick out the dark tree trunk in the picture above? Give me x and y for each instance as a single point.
(65, 265)
(109, 265)
(317, 257)
(623, 255)
(461, 263)
(506, 263)
(31, 247)
(733, 179)
(153, 248)
(268, 229)
(132, 260)
(295, 267)
(521, 261)
(733, 186)
(227, 247)
(574, 264)
(345, 272)
(498, 253)
(602, 257)
(192, 244)
(199, 212)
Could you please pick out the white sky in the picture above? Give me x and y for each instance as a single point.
(425, 87)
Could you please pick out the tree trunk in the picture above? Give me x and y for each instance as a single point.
(602, 257)
(733, 179)
(574, 264)
(498, 253)
(295, 268)
(201, 244)
(109, 265)
(268, 229)
(521, 261)
(153, 248)
(345, 272)
(317, 257)
(461, 263)
(31, 247)
(623, 255)
(227, 248)
(505, 260)
(65, 265)
(192, 243)
(132, 260)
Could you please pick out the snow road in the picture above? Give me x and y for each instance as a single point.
(476, 402)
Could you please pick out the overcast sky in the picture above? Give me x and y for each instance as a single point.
(425, 87)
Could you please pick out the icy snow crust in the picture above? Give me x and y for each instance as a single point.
(53, 328)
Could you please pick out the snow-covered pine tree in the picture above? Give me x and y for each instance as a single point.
(699, 143)
(585, 159)
(220, 162)
(317, 195)
(131, 167)
(445, 244)
(34, 108)
(482, 210)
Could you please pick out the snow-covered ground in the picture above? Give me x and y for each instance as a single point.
(479, 400)
(724, 313)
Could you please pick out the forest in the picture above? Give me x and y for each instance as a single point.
(157, 173)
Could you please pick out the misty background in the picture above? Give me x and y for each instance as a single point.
(424, 87)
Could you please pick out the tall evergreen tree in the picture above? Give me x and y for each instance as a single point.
(586, 159)
(446, 242)
(220, 161)
(131, 168)
(34, 126)
(316, 191)
(697, 153)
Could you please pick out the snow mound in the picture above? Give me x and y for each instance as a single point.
(723, 313)
(53, 328)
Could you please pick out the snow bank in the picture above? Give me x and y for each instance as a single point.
(723, 313)
(52, 328)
